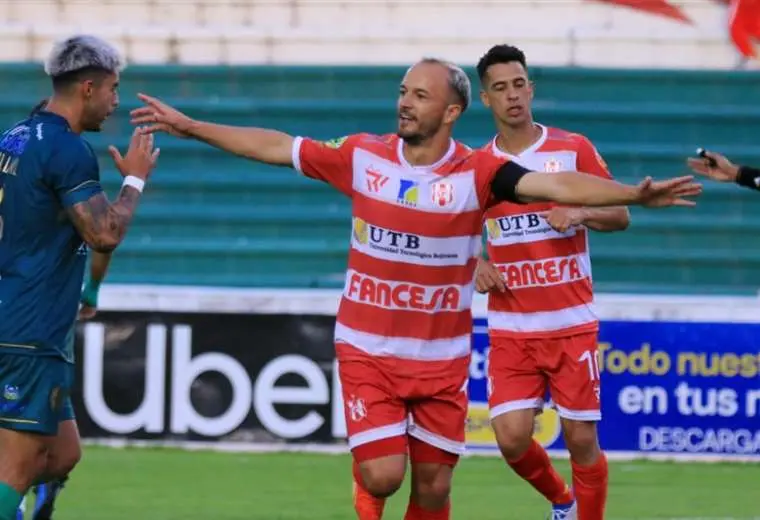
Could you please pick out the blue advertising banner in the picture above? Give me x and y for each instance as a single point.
(668, 388)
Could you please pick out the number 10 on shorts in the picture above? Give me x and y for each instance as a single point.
(591, 358)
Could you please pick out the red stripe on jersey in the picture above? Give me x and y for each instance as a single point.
(534, 299)
(396, 323)
(557, 247)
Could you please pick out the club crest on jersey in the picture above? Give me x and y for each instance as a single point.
(11, 393)
(553, 166)
(408, 193)
(442, 194)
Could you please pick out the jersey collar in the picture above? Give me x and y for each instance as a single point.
(432, 167)
(498, 152)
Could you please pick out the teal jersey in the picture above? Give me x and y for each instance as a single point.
(45, 168)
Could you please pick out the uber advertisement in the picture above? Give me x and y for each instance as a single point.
(248, 378)
(667, 388)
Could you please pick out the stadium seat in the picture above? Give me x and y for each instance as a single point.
(571, 32)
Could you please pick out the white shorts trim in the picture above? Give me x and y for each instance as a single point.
(578, 415)
(378, 434)
(513, 406)
(442, 443)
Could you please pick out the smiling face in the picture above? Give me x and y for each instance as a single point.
(508, 92)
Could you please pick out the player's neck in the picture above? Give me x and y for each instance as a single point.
(515, 141)
(427, 152)
(66, 111)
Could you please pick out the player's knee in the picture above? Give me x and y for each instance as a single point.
(436, 489)
(382, 482)
(383, 476)
(513, 432)
(61, 463)
(581, 439)
(431, 484)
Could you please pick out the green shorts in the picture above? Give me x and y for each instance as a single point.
(35, 393)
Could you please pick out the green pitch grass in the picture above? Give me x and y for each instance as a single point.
(163, 484)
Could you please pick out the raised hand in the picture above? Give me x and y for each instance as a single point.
(141, 156)
(160, 117)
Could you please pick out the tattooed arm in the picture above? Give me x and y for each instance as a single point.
(102, 224)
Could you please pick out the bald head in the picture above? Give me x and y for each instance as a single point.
(433, 94)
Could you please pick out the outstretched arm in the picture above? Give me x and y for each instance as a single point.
(515, 183)
(267, 146)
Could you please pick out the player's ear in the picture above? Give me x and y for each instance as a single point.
(452, 114)
(531, 88)
(484, 98)
(88, 87)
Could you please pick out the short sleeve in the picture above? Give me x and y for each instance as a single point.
(590, 161)
(327, 161)
(73, 173)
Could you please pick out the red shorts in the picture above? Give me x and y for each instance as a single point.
(380, 406)
(520, 371)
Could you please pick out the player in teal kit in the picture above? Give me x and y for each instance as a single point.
(51, 208)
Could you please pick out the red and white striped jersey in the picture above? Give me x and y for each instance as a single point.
(416, 236)
(548, 273)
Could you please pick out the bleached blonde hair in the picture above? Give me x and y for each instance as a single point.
(81, 52)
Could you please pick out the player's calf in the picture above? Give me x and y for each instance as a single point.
(22, 460)
(589, 465)
(527, 458)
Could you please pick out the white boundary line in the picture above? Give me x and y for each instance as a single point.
(341, 449)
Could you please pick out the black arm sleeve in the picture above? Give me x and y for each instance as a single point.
(749, 177)
(504, 184)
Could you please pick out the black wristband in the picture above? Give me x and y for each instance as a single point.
(749, 177)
